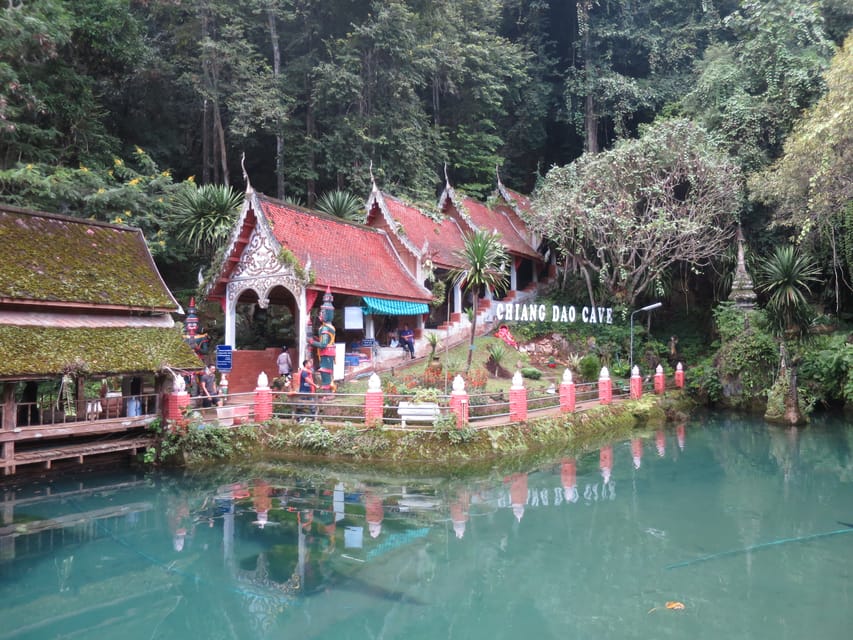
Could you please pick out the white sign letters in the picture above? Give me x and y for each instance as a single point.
(515, 312)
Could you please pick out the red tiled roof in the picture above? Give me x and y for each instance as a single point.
(444, 238)
(521, 201)
(488, 219)
(348, 257)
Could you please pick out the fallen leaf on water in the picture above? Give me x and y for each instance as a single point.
(674, 605)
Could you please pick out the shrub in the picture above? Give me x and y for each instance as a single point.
(590, 367)
(433, 375)
(531, 373)
(314, 436)
(446, 424)
(498, 352)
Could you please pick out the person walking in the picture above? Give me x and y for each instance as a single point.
(285, 365)
(209, 393)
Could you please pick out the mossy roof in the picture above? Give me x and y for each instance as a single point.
(32, 352)
(53, 258)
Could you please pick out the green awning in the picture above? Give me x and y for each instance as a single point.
(394, 307)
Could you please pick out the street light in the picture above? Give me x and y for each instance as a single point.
(648, 307)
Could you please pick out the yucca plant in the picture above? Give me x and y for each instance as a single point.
(785, 276)
(341, 204)
(206, 215)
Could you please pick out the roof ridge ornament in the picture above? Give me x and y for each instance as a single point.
(372, 177)
(245, 173)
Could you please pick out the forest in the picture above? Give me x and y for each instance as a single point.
(647, 132)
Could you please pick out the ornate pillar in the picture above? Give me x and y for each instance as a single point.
(230, 312)
(457, 298)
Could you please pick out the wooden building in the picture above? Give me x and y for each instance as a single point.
(87, 338)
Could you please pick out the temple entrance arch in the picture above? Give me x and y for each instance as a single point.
(266, 312)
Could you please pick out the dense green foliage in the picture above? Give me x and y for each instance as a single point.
(102, 102)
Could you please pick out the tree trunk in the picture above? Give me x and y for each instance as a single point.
(590, 120)
(586, 278)
(793, 415)
(310, 184)
(276, 72)
(220, 139)
(473, 329)
(206, 157)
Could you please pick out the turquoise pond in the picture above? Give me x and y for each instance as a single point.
(745, 525)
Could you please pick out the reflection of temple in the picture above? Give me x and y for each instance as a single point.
(268, 543)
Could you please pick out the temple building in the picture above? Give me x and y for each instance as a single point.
(87, 336)
(393, 270)
(282, 257)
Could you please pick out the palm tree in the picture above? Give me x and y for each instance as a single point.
(341, 204)
(484, 261)
(786, 276)
(206, 215)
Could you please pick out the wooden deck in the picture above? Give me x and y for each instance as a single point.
(45, 444)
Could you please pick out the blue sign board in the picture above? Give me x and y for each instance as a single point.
(223, 357)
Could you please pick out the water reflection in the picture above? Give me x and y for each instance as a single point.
(278, 552)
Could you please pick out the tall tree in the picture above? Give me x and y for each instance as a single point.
(625, 216)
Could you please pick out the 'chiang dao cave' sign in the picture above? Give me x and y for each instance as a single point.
(515, 312)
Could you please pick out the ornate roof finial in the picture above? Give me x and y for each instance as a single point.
(446, 179)
(498, 174)
(372, 177)
(245, 174)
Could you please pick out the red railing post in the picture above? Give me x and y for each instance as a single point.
(636, 383)
(605, 387)
(567, 392)
(374, 401)
(263, 399)
(459, 402)
(660, 380)
(517, 399)
(177, 401)
(679, 376)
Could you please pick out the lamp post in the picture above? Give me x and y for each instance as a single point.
(648, 307)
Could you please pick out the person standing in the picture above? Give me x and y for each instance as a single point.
(307, 386)
(285, 364)
(407, 339)
(209, 392)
